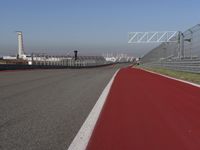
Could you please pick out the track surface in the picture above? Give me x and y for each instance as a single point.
(145, 111)
(44, 109)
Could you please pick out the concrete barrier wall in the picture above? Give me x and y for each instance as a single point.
(26, 67)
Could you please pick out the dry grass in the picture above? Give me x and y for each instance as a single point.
(192, 77)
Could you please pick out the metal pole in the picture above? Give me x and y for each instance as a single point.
(182, 46)
(179, 44)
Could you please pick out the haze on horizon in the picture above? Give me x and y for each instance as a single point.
(90, 26)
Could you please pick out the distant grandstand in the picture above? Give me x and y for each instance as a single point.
(90, 60)
(170, 50)
(168, 54)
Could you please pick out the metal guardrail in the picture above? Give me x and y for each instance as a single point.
(57, 62)
(180, 65)
(67, 61)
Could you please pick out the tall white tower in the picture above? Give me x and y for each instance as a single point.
(20, 52)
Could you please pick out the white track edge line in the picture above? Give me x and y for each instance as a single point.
(83, 136)
(166, 76)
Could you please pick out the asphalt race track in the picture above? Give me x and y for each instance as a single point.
(145, 111)
(44, 109)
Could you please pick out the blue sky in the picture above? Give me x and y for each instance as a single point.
(91, 26)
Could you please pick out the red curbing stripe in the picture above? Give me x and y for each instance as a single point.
(144, 111)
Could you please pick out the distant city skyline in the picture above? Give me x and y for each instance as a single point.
(90, 26)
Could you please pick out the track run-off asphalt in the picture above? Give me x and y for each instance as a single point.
(146, 111)
(44, 109)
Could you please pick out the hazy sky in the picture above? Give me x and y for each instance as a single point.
(91, 26)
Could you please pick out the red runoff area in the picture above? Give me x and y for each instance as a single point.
(145, 111)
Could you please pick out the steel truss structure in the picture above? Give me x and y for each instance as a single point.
(153, 37)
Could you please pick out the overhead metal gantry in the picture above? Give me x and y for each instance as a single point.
(159, 37)
(152, 37)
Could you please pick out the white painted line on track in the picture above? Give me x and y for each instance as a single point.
(83, 136)
(194, 84)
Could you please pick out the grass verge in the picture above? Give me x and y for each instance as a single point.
(187, 76)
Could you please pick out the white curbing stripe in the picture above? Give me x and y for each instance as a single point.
(83, 136)
(194, 84)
